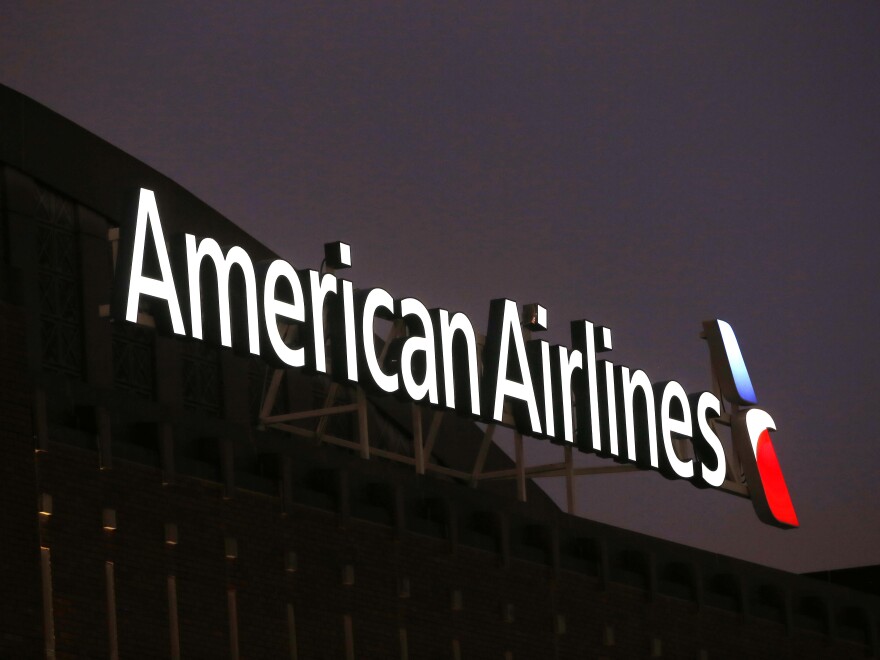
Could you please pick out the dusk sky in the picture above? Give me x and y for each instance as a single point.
(645, 166)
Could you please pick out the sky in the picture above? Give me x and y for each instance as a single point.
(646, 166)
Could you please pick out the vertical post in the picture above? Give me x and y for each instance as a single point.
(41, 420)
(48, 613)
(570, 501)
(113, 638)
(404, 646)
(362, 423)
(520, 468)
(173, 624)
(166, 450)
(291, 631)
(105, 437)
(227, 466)
(349, 636)
(233, 623)
(287, 482)
(418, 441)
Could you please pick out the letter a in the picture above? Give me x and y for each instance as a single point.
(131, 283)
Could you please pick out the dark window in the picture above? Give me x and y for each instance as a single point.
(202, 380)
(482, 530)
(630, 567)
(812, 614)
(677, 579)
(429, 516)
(582, 555)
(767, 604)
(723, 592)
(259, 473)
(374, 502)
(60, 301)
(133, 359)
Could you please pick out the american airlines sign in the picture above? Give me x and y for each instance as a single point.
(565, 394)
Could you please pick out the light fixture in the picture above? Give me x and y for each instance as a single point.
(108, 519)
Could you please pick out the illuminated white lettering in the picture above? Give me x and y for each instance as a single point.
(453, 362)
(709, 406)
(208, 247)
(565, 394)
(274, 308)
(411, 308)
(629, 384)
(510, 331)
(375, 300)
(138, 283)
(568, 363)
(320, 286)
(669, 425)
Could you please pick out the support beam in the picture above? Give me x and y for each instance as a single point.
(311, 414)
(418, 448)
(436, 421)
(328, 402)
(362, 423)
(520, 467)
(570, 501)
(482, 454)
(271, 394)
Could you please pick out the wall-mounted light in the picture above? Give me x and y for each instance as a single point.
(171, 533)
(290, 562)
(45, 504)
(108, 519)
(231, 547)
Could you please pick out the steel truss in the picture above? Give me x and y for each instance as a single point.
(424, 440)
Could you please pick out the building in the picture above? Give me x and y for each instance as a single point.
(148, 513)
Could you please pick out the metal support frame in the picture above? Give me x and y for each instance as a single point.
(424, 443)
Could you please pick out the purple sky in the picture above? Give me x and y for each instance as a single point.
(644, 166)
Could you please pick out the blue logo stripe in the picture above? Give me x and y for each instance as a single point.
(737, 364)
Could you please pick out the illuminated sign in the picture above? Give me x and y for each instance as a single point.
(567, 395)
(751, 429)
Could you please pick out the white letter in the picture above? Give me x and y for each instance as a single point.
(273, 308)
(505, 387)
(567, 364)
(208, 247)
(320, 286)
(139, 284)
(668, 426)
(458, 322)
(376, 299)
(709, 401)
(413, 343)
(628, 386)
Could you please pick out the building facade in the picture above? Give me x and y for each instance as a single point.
(148, 512)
